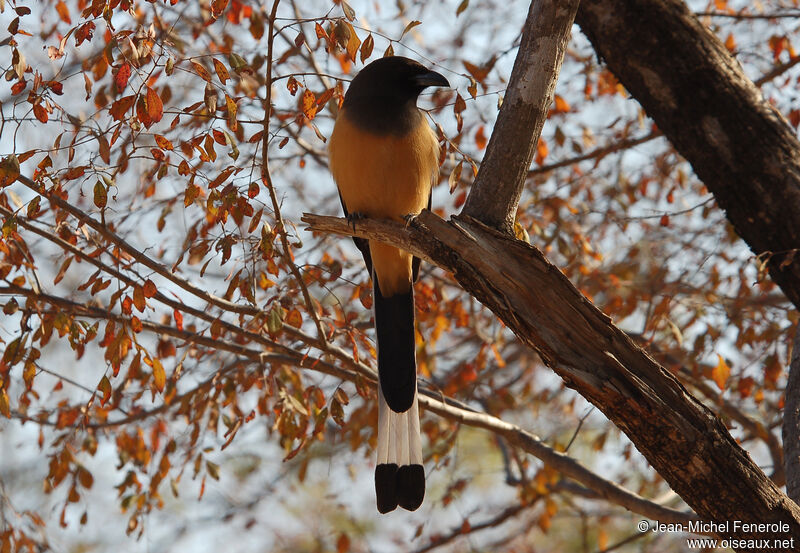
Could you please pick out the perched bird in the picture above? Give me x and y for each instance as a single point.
(384, 158)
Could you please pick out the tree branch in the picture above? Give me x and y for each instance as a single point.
(495, 194)
(716, 477)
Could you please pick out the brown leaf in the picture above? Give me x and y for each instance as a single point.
(410, 26)
(40, 113)
(100, 195)
(9, 170)
(366, 48)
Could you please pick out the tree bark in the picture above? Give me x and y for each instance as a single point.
(681, 438)
(738, 144)
(791, 424)
(495, 194)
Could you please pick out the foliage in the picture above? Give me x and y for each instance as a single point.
(165, 319)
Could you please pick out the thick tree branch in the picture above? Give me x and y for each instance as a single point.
(738, 144)
(680, 437)
(495, 194)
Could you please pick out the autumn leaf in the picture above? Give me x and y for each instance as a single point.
(40, 113)
(410, 26)
(221, 70)
(308, 104)
(720, 373)
(163, 143)
(202, 71)
(105, 388)
(155, 109)
(231, 107)
(349, 12)
(84, 33)
(100, 195)
(121, 107)
(149, 288)
(149, 108)
(63, 12)
(121, 77)
(480, 138)
(9, 170)
(366, 48)
(159, 375)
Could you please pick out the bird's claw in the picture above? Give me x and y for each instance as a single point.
(353, 217)
(409, 218)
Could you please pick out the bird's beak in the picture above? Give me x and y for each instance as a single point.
(431, 78)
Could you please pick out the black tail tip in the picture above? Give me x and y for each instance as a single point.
(410, 486)
(403, 486)
(386, 487)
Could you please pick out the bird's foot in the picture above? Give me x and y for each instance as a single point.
(409, 218)
(352, 218)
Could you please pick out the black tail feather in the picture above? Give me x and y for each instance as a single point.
(386, 487)
(394, 326)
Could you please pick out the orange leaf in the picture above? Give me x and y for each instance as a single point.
(541, 151)
(122, 76)
(9, 170)
(155, 109)
(309, 104)
(178, 319)
(138, 298)
(121, 107)
(366, 48)
(561, 104)
(231, 105)
(409, 27)
(63, 12)
(720, 373)
(163, 143)
(149, 288)
(730, 43)
(480, 138)
(222, 71)
(202, 71)
(159, 375)
(105, 389)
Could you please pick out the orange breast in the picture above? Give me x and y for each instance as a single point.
(384, 177)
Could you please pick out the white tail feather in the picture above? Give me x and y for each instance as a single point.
(398, 434)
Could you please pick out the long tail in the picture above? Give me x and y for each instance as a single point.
(399, 474)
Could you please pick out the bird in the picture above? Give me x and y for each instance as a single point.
(384, 157)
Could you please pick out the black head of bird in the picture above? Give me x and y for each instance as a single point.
(383, 96)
